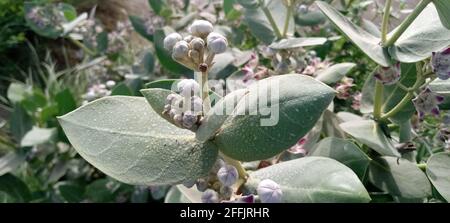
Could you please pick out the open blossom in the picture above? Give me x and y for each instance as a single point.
(388, 75)
(427, 102)
(356, 104)
(440, 62)
(315, 65)
(343, 88)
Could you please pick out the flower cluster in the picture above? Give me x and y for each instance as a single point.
(427, 102)
(440, 62)
(343, 88)
(190, 51)
(97, 91)
(388, 75)
(356, 103)
(44, 17)
(314, 66)
(186, 108)
(117, 39)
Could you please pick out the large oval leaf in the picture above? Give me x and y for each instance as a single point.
(335, 73)
(293, 103)
(368, 43)
(123, 137)
(343, 151)
(399, 177)
(443, 9)
(424, 36)
(438, 171)
(293, 43)
(312, 179)
(369, 133)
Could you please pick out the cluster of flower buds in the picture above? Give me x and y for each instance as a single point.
(388, 75)
(97, 91)
(197, 50)
(89, 31)
(185, 108)
(252, 71)
(152, 22)
(427, 102)
(117, 39)
(356, 103)
(440, 62)
(314, 65)
(269, 191)
(343, 88)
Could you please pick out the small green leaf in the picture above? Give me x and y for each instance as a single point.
(175, 196)
(443, 8)
(368, 43)
(121, 89)
(312, 180)
(335, 73)
(11, 161)
(15, 188)
(369, 133)
(156, 97)
(70, 192)
(125, 138)
(20, 122)
(298, 42)
(438, 171)
(66, 102)
(140, 28)
(273, 116)
(310, 18)
(345, 152)
(37, 136)
(399, 177)
(168, 84)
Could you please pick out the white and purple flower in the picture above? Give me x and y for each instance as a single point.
(440, 61)
(427, 102)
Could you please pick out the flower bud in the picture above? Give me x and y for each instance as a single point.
(226, 192)
(202, 185)
(210, 196)
(196, 104)
(180, 50)
(188, 87)
(110, 84)
(440, 62)
(189, 119)
(171, 98)
(217, 43)
(388, 75)
(178, 119)
(228, 175)
(173, 112)
(189, 183)
(269, 191)
(197, 44)
(201, 28)
(171, 40)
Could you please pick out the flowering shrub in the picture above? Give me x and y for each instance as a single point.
(269, 101)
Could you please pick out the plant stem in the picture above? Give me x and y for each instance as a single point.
(385, 22)
(288, 18)
(378, 99)
(242, 173)
(270, 18)
(202, 80)
(82, 46)
(406, 23)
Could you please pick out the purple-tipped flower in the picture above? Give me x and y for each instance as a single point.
(427, 102)
(228, 175)
(388, 75)
(210, 196)
(440, 62)
(269, 191)
(343, 88)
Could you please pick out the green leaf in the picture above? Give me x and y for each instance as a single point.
(156, 97)
(399, 177)
(426, 28)
(298, 42)
(15, 188)
(368, 43)
(438, 171)
(168, 84)
(345, 152)
(125, 138)
(140, 28)
(443, 9)
(157, 5)
(101, 191)
(165, 57)
(442, 87)
(249, 134)
(20, 122)
(218, 114)
(11, 161)
(369, 133)
(310, 18)
(335, 73)
(66, 102)
(312, 180)
(37, 136)
(121, 89)
(70, 192)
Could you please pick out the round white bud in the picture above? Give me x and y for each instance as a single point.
(228, 175)
(201, 28)
(188, 87)
(180, 50)
(217, 43)
(189, 119)
(110, 84)
(197, 44)
(171, 40)
(269, 191)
